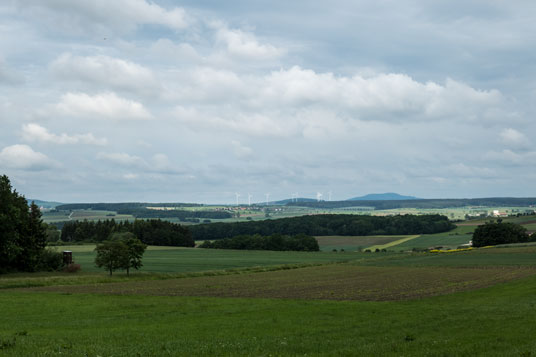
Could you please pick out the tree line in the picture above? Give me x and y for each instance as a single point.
(120, 206)
(142, 210)
(423, 203)
(300, 242)
(150, 232)
(22, 234)
(494, 233)
(326, 225)
(180, 214)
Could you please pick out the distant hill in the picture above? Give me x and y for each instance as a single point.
(389, 196)
(45, 204)
(290, 200)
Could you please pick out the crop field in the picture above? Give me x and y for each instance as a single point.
(182, 260)
(387, 304)
(483, 257)
(327, 282)
(353, 243)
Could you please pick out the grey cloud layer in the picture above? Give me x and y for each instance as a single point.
(192, 104)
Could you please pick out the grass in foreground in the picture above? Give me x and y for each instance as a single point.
(496, 321)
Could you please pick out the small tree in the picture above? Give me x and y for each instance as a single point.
(135, 249)
(111, 255)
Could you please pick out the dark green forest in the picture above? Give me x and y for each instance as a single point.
(493, 233)
(22, 234)
(150, 232)
(326, 225)
(300, 242)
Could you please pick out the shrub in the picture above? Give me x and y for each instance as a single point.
(50, 260)
(72, 268)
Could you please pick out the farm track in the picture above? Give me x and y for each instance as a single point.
(328, 282)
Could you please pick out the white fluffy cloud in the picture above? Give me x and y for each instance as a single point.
(378, 97)
(101, 106)
(99, 15)
(245, 45)
(25, 158)
(302, 102)
(34, 132)
(105, 71)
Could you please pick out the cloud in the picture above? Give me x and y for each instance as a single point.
(241, 151)
(303, 102)
(23, 157)
(36, 133)
(122, 159)
(245, 45)
(511, 158)
(514, 138)
(384, 96)
(8, 75)
(159, 163)
(167, 50)
(105, 71)
(99, 15)
(101, 106)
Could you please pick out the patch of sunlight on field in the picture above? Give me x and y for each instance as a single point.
(392, 244)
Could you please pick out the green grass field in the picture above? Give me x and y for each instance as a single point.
(435, 307)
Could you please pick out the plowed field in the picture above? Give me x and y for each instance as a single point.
(331, 282)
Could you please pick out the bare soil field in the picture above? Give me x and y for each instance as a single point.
(329, 282)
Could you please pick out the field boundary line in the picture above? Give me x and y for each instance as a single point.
(392, 244)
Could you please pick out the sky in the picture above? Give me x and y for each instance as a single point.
(198, 101)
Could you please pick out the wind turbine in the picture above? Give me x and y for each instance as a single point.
(294, 197)
(267, 197)
(319, 196)
(237, 195)
(249, 199)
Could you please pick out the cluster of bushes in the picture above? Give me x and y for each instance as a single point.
(493, 233)
(300, 242)
(22, 234)
(326, 225)
(151, 232)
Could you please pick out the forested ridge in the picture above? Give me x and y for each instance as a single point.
(423, 203)
(328, 224)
